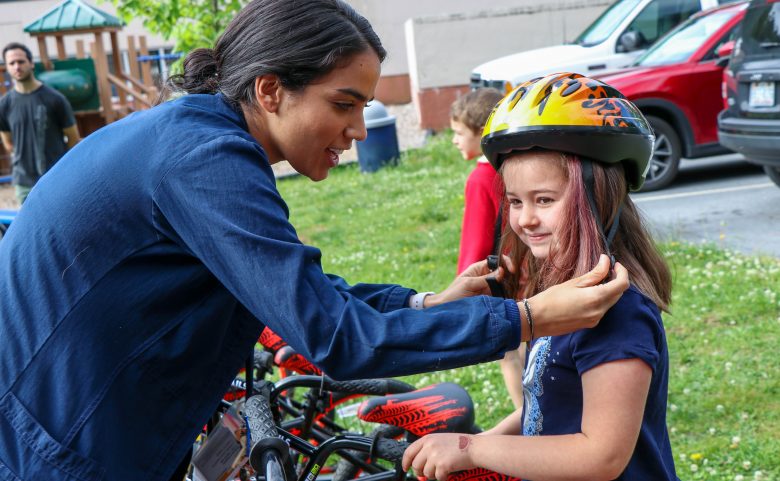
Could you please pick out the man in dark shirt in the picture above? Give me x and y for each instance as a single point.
(34, 122)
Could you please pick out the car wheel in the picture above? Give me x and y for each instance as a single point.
(666, 155)
(773, 173)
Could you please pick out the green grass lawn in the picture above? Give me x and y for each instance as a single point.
(402, 225)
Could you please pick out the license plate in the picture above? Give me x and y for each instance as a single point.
(762, 94)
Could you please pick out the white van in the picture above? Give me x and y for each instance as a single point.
(614, 40)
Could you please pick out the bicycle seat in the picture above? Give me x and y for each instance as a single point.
(481, 475)
(287, 358)
(271, 340)
(439, 408)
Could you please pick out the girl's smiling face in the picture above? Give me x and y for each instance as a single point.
(536, 190)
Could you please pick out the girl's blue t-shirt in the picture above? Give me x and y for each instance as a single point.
(552, 383)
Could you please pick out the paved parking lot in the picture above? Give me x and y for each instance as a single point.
(722, 200)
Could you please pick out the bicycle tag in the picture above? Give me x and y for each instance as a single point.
(348, 411)
(224, 451)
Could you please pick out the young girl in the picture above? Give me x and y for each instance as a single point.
(568, 149)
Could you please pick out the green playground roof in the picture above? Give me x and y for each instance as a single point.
(72, 15)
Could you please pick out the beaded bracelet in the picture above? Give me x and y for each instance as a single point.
(529, 319)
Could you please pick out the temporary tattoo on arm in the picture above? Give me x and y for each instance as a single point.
(463, 443)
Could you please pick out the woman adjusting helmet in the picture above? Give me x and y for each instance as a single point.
(571, 113)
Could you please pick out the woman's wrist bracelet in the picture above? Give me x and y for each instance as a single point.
(417, 301)
(530, 319)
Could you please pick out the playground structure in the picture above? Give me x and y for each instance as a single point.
(94, 81)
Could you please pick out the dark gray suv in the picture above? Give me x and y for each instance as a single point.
(750, 124)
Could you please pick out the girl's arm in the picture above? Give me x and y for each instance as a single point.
(512, 370)
(510, 425)
(614, 396)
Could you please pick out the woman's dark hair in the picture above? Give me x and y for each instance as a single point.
(297, 40)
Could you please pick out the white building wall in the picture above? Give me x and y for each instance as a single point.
(448, 47)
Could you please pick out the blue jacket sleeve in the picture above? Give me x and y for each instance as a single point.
(382, 297)
(221, 204)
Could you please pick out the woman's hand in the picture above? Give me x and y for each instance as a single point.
(435, 456)
(578, 303)
(470, 282)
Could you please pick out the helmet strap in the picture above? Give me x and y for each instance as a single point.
(590, 190)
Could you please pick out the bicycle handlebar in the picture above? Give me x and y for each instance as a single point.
(263, 362)
(390, 449)
(375, 387)
(268, 452)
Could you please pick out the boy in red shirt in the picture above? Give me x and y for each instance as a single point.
(467, 118)
(468, 115)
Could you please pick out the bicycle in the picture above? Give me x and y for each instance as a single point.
(271, 445)
(398, 409)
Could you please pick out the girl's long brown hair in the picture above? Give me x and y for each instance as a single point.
(579, 241)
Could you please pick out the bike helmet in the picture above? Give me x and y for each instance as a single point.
(568, 112)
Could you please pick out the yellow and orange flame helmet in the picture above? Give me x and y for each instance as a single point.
(568, 112)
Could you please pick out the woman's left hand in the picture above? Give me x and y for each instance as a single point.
(470, 282)
(435, 456)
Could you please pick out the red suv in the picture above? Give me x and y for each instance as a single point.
(677, 85)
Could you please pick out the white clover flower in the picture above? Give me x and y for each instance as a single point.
(728, 366)
(711, 431)
(683, 456)
(758, 476)
(735, 440)
(687, 391)
(746, 464)
(673, 408)
(720, 408)
(694, 467)
(739, 477)
(744, 416)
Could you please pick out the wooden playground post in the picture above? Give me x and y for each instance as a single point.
(101, 71)
(146, 69)
(44, 53)
(135, 72)
(80, 53)
(116, 53)
(61, 55)
(2, 79)
(132, 58)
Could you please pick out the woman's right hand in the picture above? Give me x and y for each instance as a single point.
(576, 304)
(470, 282)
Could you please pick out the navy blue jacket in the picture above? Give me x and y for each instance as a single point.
(138, 276)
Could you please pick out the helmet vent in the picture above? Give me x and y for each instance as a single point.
(572, 86)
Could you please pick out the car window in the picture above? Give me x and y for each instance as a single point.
(728, 36)
(607, 22)
(680, 44)
(761, 30)
(659, 17)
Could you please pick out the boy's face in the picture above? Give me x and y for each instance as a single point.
(466, 140)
